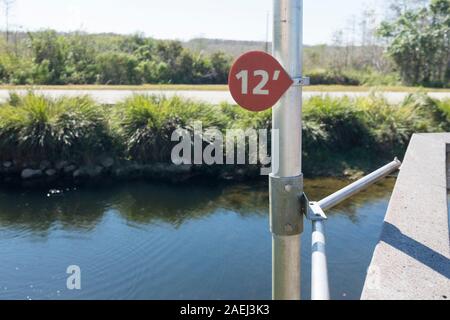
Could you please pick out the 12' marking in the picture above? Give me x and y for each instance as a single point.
(259, 89)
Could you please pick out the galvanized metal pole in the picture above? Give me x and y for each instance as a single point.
(320, 289)
(286, 180)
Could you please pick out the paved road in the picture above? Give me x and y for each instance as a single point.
(215, 97)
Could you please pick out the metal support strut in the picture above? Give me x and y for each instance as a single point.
(314, 211)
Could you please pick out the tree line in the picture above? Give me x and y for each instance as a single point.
(52, 58)
(411, 46)
(419, 42)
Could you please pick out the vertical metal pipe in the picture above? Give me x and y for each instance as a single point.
(287, 121)
(286, 268)
(287, 115)
(320, 289)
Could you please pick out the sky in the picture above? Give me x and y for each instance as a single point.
(183, 19)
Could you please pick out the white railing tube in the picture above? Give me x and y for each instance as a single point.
(320, 289)
(356, 187)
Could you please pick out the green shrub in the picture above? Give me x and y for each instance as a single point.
(374, 78)
(391, 126)
(82, 129)
(336, 131)
(146, 123)
(444, 105)
(430, 115)
(323, 77)
(34, 128)
(10, 124)
(353, 77)
(340, 119)
(118, 68)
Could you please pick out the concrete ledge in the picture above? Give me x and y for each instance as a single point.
(412, 259)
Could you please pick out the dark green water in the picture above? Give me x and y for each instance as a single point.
(146, 241)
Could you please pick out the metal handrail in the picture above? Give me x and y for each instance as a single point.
(320, 289)
(358, 186)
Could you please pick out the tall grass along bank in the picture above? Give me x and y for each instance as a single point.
(76, 139)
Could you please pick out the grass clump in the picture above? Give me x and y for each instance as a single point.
(338, 133)
(340, 121)
(34, 128)
(392, 126)
(145, 124)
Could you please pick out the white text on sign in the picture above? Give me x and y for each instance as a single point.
(259, 89)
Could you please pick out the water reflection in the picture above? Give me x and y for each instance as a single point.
(144, 203)
(146, 241)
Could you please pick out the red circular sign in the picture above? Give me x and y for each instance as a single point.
(257, 81)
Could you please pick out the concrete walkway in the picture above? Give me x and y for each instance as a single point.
(412, 259)
(214, 97)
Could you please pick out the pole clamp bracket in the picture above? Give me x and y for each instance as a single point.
(312, 210)
(285, 207)
(301, 82)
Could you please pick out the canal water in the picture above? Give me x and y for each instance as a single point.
(149, 241)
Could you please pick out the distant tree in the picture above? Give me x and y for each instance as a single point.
(80, 60)
(220, 64)
(340, 53)
(201, 69)
(183, 68)
(169, 51)
(399, 7)
(419, 43)
(130, 44)
(118, 68)
(50, 55)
